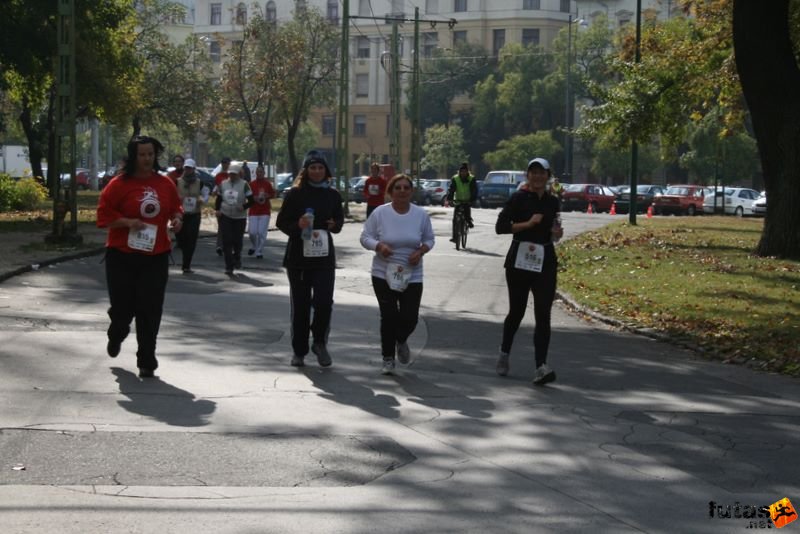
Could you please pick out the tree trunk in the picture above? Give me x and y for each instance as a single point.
(137, 126)
(771, 82)
(291, 135)
(35, 151)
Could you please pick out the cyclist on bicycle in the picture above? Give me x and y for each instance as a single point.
(463, 190)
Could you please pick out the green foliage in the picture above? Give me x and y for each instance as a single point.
(516, 152)
(611, 161)
(24, 194)
(231, 138)
(305, 140)
(443, 148)
(732, 158)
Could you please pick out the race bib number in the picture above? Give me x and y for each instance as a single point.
(398, 276)
(261, 198)
(530, 256)
(317, 246)
(231, 197)
(144, 239)
(374, 189)
(189, 204)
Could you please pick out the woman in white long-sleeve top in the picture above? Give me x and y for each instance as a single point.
(400, 233)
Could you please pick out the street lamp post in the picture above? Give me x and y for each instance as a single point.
(568, 107)
(634, 144)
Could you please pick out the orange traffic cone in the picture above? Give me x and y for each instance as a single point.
(650, 212)
(613, 209)
(589, 208)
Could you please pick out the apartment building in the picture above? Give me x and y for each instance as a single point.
(489, 23)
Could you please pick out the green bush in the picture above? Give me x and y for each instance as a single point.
(24, 194)
(30, 194)
(8, 192)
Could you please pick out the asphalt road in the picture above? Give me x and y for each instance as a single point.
(635, 436)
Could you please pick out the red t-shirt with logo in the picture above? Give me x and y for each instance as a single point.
(153, 200)
(262, 192)
(375, 190)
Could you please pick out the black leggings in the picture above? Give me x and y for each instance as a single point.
(399, 313)
(310, 288)
(136, 286)
(232, 237)
(543, 287)
(187, 237)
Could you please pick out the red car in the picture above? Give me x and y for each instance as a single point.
(680, 199)
(578, 197)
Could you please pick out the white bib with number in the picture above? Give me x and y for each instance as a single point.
(530, 256)
(398, 276)
(231, 197)
(317, 246)
(189, 204)
(144, 239)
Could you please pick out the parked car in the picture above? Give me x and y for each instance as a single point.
(578, 197)
(436, 190)
(498, 186)
(760, 205)
(283, 182)
(357, 189)
(644, 197)
(736, 201)
(680, 199)
(250, 164)
(82, 181)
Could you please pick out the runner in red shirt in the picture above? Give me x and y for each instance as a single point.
(138, 207)
(259, 213)
(177, 172)
(375, 188)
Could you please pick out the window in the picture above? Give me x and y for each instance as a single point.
(328, 124)
(216, 14)
(430, 42)
(241, 15)
(333, 10)
(363, 47)
(530, 37)
(397, 7)
(214, 51)
(459, 5)
(272, 12)
(459, 37)
(498, 41)
(362, 84)
(565, 6)
(359, 125)
(363, 8)
(531, 4)
(431, 6)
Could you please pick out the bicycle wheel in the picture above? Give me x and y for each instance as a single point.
(464, 231)
(457, 219)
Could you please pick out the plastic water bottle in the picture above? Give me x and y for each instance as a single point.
(310, 228)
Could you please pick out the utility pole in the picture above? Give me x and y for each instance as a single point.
(342, 152)
(634, 144)
(416, 119)
(394, 99)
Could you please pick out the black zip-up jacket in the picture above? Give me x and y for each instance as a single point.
(521, 207)
(327, 204)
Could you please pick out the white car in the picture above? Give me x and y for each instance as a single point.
(760, 205)
(737, 201)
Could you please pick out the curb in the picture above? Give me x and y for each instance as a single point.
(52, 261)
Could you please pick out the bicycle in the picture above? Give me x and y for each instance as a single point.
(460, 226)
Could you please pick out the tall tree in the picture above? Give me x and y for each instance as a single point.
(255, 87)
(443, 148)
(315, 82)
(766, 61)
(515, 152)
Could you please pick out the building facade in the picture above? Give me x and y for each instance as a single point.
(489, 23)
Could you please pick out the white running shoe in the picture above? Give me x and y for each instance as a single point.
(544, 375)
(388, 367)
(403, 353)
